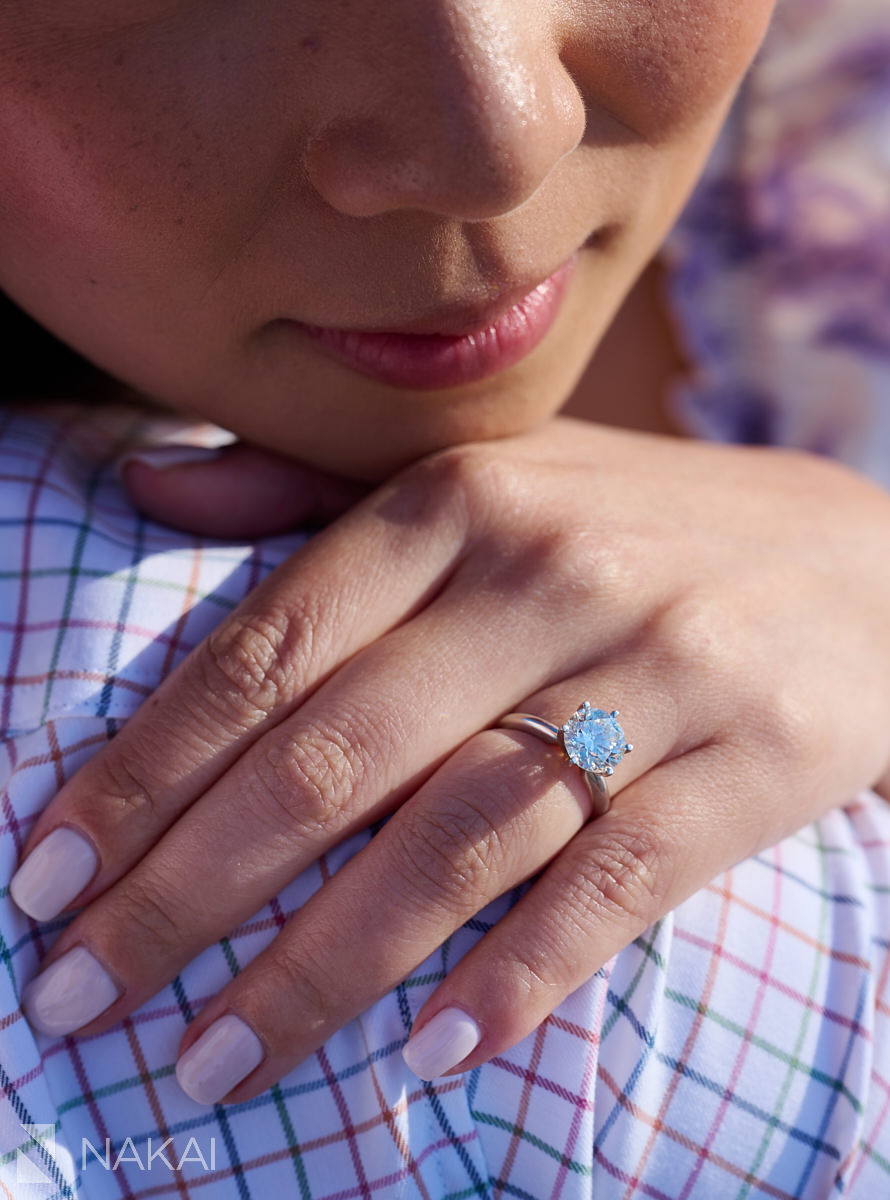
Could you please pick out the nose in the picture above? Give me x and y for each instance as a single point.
(463, 110)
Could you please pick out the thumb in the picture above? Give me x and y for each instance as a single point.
(232, 492)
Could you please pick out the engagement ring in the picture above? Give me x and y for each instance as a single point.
(592, 739)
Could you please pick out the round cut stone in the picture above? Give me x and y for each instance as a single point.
(593, 739)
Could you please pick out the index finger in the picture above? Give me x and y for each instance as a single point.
(351, 583)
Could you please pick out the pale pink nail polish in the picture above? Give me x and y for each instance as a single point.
(223, 1055)
(443, 1042)
(162, 458)
(56, 870)
(69, 993)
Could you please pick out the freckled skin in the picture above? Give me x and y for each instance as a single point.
(177, 176)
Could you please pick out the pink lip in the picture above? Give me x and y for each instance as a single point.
(415, 360)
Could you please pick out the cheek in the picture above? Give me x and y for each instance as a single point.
(667, 65)
(708, 45)
(113, 155)
(50, 190)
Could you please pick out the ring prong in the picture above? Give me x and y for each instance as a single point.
(628, 748)
(615, 712)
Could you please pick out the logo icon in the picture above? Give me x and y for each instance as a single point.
(35, 1160)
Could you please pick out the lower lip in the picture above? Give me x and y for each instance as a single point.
(413, 360)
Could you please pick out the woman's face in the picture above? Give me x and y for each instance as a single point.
(183, 182)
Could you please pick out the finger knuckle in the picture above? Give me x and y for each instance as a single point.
(149, 912)
(125, 794)
(307, 781)
(561, 571)
(297, 971)
(473, 479)
(697, 639)
(453, 851)
(623, 877)
(256, 660)
(786, 726)
(578, 565)
(534, 976)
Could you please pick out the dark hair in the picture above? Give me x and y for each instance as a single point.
(37, 366)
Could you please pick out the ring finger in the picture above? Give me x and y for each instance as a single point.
(501, 808)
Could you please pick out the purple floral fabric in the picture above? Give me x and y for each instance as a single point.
(779, 266)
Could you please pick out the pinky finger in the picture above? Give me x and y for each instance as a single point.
(616, 877)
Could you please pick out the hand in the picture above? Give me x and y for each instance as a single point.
(235, 492)
(731, 602)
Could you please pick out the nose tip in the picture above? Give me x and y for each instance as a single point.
(475, 149)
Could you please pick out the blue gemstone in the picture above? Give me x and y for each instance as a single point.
(593, 739)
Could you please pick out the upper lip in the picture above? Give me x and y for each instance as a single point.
(459, 320)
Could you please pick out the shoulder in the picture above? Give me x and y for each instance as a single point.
(98, 604)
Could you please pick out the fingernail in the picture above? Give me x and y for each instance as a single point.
(70, 992)
(162, 457)
(55, 871)
(223, 1055)
(443, 1042)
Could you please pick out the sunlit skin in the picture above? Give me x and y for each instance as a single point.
(179, 183)
(176, 181)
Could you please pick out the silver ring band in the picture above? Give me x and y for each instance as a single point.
(595, 758)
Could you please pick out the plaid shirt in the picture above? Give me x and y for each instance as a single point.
(739, 1048)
